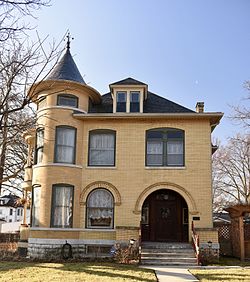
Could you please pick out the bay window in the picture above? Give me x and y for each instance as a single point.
(62, 206)
(39, 145)
(35, 206)
(65, 144)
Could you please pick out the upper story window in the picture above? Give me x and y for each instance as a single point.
(35, 205)
(39, 145)
(65, 144)
(62, 206)
(165, 147)
(121, 101)
(135, 101)
(67, 100)
(100, 209)
(42, 102)
(128, 102)
(11, 211)
(101, 148)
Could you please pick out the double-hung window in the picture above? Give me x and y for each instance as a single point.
(62, 206)
(39, 145)
(101, 148)
(65, 144)
(165, 147)
(67, 100)
(121, 102)
(35, 205)
(135, 101)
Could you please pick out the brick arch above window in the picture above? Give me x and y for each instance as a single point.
(100, 184)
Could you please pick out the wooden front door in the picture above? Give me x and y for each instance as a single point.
(164, 217)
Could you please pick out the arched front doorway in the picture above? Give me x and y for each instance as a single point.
(164, 217)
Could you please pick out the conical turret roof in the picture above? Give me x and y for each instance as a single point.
(66, 69)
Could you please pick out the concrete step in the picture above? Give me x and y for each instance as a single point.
(159, 245)
(154, 253)
(169, 263)
(168, 254)
(167, 259)
(166, 251)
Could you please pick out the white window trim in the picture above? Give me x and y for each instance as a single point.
(128, 91)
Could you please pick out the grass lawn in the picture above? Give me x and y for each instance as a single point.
(72, 272)
(228, 275)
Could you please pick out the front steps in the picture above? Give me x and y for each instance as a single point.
(155, 253)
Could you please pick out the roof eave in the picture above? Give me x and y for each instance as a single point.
(213, 117)
(45, 85)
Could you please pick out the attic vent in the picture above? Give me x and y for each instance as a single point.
(200, 107)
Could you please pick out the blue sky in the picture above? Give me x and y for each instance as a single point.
(186, 51)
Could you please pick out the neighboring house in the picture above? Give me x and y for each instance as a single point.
(11, 210)
(220, 218)
(11, 213)
(109, 167)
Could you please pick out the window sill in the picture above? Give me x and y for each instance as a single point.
(62, 108)
(101, 167)
(165, 167)
(99, 229)
(57, 164)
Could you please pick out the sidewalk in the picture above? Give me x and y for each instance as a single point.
(172, 273)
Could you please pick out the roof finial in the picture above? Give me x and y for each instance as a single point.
(69, 38)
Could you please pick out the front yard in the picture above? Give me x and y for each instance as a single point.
(73, 272)
(221, 275)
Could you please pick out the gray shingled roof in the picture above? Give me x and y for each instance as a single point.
(153, 104)
(128, 81)
(66, 69)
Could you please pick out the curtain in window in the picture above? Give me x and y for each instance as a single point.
(175, 152)
(102, 149)
(39, 145)
(35, 206)
(62, 206)
(100, 209)
(154, 152)
(65, 145)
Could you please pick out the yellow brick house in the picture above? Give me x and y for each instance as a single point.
(108, 168)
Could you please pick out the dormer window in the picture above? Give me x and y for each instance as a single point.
(135, 101)
(121, 101)
(128, 95)
(67, 100)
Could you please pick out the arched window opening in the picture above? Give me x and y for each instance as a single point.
(100, 209)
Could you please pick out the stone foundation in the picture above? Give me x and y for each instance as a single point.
(52, 248)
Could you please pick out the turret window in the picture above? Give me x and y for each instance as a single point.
(65, 144)
(39, 145)
(62, 206)
(67, 100)
(35, 205)
(42, 102)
